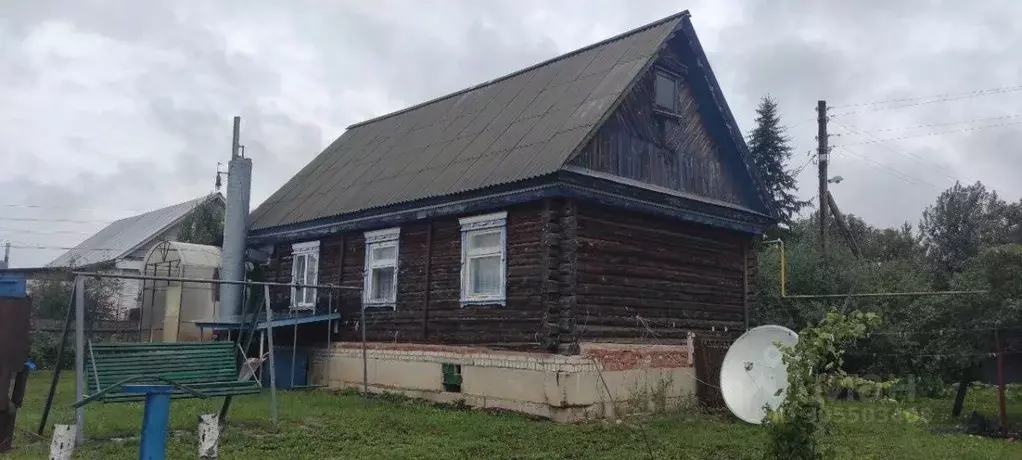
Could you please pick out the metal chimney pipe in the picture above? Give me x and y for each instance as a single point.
(239, 179)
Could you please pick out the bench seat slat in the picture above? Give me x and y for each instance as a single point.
(210, 368)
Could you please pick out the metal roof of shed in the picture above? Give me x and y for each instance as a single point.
(125, 235)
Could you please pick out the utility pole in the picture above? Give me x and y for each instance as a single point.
(822, 155)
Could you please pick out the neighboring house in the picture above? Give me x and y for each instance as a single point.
(547, 207)
(120, 247)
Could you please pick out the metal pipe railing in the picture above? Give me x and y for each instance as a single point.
(784, 286)
(213, 281)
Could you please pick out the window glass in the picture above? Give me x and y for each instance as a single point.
(382, 283)
(666, 92)
(384, 254)
(484, 240)
(485, 275)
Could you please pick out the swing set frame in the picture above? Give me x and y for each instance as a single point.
(242, 340)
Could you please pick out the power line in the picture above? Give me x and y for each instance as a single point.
(804, 164)
(949, 123)
(855, 130)
(44, 206)
(64, 248)
(939, 133)
(27, 245)
(885, 168)
(44, 232)
(921, 100)
(71, 221)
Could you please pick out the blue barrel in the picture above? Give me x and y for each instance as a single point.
(282, 356)
(12, 285)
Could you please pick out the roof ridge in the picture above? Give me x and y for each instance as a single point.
(196, 201)
(682, 14)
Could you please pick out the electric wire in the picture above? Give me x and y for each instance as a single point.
(855, 130)
(71, 221)
(939, 133)
(923, 100)
(947, 123)
(908, 179)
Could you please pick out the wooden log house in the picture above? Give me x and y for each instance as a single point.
(598, 196)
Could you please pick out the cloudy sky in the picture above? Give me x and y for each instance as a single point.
(110, 108)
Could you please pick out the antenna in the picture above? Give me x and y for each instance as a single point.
(219, 183)
(753, 375)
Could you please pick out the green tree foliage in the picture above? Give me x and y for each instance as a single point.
(964, 220)
(50, 298)
(939, 336)
(771, 151)
(204, 225)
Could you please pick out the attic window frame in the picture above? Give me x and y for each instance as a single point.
(661, 72)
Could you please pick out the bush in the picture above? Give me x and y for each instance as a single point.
(44, 348)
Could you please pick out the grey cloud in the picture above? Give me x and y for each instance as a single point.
(354, 60)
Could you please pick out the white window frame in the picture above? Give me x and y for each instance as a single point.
(388, 237)
(304, 250)
(485, 223)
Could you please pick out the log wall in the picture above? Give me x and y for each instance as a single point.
(576, 272)
(428, 307)
(641, 278)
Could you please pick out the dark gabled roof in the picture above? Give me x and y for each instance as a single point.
(516, 127)
(128, 234)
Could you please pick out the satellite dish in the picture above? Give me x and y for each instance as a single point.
(753, 374)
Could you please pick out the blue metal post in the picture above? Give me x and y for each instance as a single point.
(155, 421)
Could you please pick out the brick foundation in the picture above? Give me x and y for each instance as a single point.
(604, 380)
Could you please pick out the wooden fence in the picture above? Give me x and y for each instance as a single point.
(709, 355)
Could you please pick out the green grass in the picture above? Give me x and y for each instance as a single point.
(316, 424)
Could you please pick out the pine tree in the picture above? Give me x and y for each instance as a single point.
(770, 150)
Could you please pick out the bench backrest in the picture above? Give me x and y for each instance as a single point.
(185, 363)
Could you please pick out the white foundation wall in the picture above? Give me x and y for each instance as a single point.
(603, 381)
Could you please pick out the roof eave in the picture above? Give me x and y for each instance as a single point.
(729, 118)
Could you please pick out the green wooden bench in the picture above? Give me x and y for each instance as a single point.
(209, 368)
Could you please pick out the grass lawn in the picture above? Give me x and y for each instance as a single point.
(317, 424)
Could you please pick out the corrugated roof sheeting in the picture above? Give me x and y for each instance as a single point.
(122, 236)
(507, 130)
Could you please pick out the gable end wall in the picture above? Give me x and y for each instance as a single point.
(676, 152)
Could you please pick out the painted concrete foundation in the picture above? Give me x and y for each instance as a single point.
(605, 380)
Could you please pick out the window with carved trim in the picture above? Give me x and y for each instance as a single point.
(484, 259)
(380, 288)
(305, 271)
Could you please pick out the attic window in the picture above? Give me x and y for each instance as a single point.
(665, 92)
